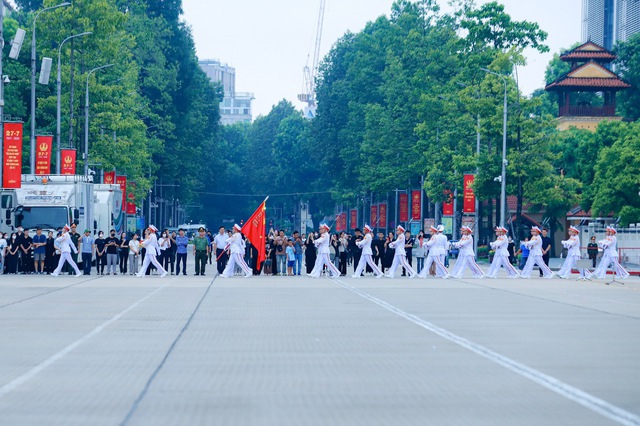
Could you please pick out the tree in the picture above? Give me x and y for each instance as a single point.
(628, 64)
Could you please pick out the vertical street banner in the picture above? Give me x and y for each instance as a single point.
(469, 204)
(110, 178)
(12, 155)
(43, 154)
(341, 222)
(403, 207)
(68, 161)
(382, 215)
(354, 218)
(122, 181)
(416, 205)
(131, 198)
(374, 216)
(447, 206)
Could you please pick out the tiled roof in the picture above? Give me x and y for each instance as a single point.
(585, 56)
(610, 83)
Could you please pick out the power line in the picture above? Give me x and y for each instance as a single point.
(263, 195)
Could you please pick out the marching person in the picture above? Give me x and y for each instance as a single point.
(366, 257)
(400, 257)
(435, 255)
(466, 256)
(535, 256)
(323, 259)
(65, 246)
(573, 252)
(610, 256)
(501, 255)
(151, 245)
(236, 255)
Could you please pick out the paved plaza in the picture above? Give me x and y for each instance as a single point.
(299, 351)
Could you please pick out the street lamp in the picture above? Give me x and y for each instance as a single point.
(59, 87)
(33, 84)
(86, 120)
(503, 176)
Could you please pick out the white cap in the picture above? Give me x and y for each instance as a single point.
(440, 228)
(153, 228)
(466, 228)
(368, 228)
(325, 226)
(400, 227)
(535, 228)
(66, 227)
(574, 229)
(238, 227)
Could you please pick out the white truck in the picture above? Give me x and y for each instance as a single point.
(51, 201)
(108, 212)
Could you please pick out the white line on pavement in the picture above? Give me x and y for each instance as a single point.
(572, 393)
(61, 354)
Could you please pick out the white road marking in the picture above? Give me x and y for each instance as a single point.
(574, 394)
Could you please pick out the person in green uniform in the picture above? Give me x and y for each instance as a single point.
(201, 250)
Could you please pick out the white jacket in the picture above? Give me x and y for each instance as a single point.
(610, 246)
(465, 245)
(573, 246)
(236, 243)
(365, 244)
(398, 244)
(501, 246)
(64, 242)
(322, 243)
(151, 244)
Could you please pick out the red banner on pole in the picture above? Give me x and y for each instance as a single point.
(416, 205)
(382, 215)
(68, 161)
(447, 206)
(131, 208)
(354, 218)
(110, 178)
(12, 164)
(341, 222)
(374, 216)
(469, 204)
(122, 181)
(403, 207)
(43, 154)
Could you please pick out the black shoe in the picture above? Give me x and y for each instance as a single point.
(196, 274)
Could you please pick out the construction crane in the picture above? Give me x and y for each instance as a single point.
(310, 73)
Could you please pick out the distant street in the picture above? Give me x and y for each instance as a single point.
(300, 351)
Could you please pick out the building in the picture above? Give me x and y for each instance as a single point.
(236, 106)
(605, 22)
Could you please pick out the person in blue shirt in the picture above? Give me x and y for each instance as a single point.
(291, 258)
(39, 246)
(524, 251)
(182, 242)
(88, 247)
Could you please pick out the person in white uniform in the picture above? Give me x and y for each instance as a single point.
(323, 259)
(572, 244)
(610, 256)
(367, 254)
(436, 255)
(535, 256)
(466, 256)
(64, 243)
(151, 245)
(400, 257)
(237, 248)
(501, 255)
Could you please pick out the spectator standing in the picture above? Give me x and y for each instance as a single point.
(210, 237)
(164, 243)
(511, 247)
(310, 253)
(281, 255)
(341, 250)
(123, 253)
(267, 261)
(112, 243)
(389, 251)
(420, 252)
(51, 258)
(182, 242)
(592, 250)
(170, 259)
(291, 258)
(3, 252)
(546, 247)
(408, 248)
(335, 248)
(26, 247)
(220, 246)
(19, 238)
(39, 251)
(101, 253)
(297, 247)
(12, 256)
(377, 247)
(524, 253)
(201, 251)
(134, 254)
(88, 247)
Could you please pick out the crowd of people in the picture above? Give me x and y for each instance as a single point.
(319, 252)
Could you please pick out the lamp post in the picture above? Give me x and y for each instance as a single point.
(33, 84)
(85, 156)
(503, 176)
(59, 88)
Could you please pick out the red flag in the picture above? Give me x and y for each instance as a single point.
(255, 230)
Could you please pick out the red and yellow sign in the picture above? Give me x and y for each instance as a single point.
(354, 218)
(122, 181)
(12, 165)
(68, 161)
(403, 207)
(416, 205)
(110, 178)
(469, 204)
(341, 222)
(382, 215)
(374, 216)
(447, 206)
(43, 154)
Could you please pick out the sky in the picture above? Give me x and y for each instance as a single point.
(270, 42)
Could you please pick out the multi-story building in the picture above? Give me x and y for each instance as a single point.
(236, 106)
(605, 22)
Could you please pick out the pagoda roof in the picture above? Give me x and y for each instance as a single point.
(588, 51)
(590, 76)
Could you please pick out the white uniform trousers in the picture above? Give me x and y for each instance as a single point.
(608, 260)
(499, 261)
(65, 257)
(321, 261)
(462, 262)
(400, 260)
(567, 266)
(236, 260)
(531, 262)
(150, 258)
(441, 271)
(364, 260)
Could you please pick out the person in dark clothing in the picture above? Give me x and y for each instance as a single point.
(124, 253)
(592, 250)
(26, 246)
(408, 247)
(546, 247)
(101, 253)
(51, 258)
(310, 253)
(11, 259)
(356, 251)
(389, 252)
(378, 250)
(112, 244)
